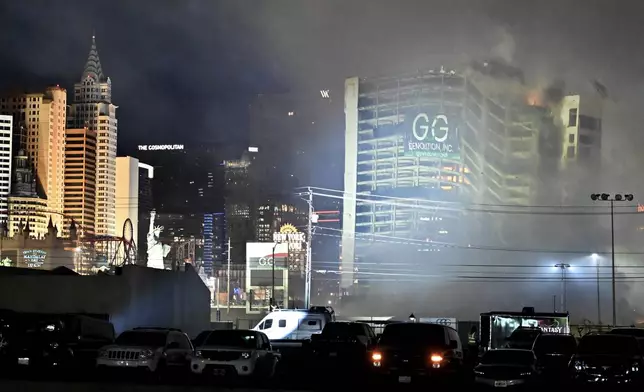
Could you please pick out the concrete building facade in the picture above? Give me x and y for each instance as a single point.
(80, 180)
(39, 118)
(6, 129)
(127, 196)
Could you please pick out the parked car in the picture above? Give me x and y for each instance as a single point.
(554, 352)
(409, 351)
(506, 367)
(237, 352)
(344, 343)
(607, 359)
(61, 341)
(150, 349)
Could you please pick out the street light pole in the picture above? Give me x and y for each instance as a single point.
(612, 256)
(563, 268)
(272, 303)
(612, 199)
(599, 312)
(309, 244)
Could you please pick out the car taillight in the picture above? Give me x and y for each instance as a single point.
(435, 358)
(376, 357)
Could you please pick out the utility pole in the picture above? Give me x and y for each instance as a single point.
(563, 267)
(272, 300)
(612, 255)
(309, 244)
(228, 276)
(595, 257)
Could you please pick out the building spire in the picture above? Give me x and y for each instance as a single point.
(93, 67)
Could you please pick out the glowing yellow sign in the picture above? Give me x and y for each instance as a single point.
(289, 234)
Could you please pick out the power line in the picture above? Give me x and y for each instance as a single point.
(475, 247)
(462, 208)
(416, 200)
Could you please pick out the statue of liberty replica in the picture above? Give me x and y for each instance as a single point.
(156, 250)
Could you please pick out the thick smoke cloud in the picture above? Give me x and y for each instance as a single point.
(505, 47)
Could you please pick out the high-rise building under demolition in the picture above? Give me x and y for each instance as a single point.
(421, 147)
(401, 145)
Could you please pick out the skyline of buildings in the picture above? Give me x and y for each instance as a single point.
(64, 160)
(446, 136)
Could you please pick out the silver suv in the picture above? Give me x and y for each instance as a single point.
(150, 349)
(238, 352)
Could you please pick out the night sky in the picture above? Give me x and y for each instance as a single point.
(186, 70)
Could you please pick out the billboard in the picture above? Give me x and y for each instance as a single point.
(266, 271)
(431, 133)
(259, 256)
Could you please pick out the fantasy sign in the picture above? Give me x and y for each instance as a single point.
(431, 135)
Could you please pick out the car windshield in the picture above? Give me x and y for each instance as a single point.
(234, 338)
(413, 334)
(547, 344)
(342, 330)
(638, 333)
(513, 357)
(140, 338)
(608, 345)
(201, 338)
(524, 335)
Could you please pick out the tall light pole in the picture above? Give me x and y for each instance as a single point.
(595, 257)
(309, 245)
(272, 301)
(563, 267)
(612, 199)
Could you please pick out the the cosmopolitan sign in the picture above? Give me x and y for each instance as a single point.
(431, 136)
(160, 147)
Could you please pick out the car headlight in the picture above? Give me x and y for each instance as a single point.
(245, 355)
(579, 365)
(479, 373)
(198, 353)
(524, 374)
(102, 354)
(635, 367)
(145, 354)
(53, 345)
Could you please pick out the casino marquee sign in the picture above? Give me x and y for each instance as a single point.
(431, 135)
(289, 234)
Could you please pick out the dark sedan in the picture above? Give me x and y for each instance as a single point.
(506, 367)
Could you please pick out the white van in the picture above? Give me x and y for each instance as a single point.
(292, 324)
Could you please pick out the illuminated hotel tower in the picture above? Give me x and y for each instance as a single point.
(93, 109)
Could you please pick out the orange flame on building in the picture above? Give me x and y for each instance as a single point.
(534, 98)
